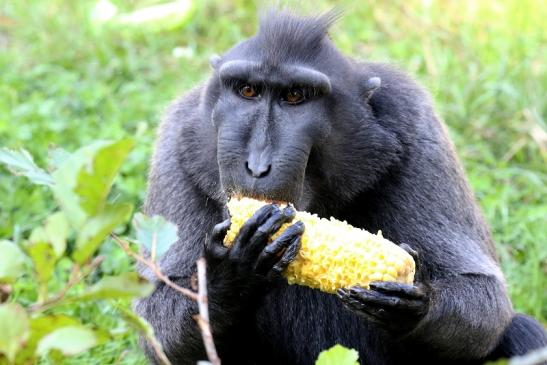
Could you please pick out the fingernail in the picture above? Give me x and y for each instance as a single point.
(289, 211)
(354, 290)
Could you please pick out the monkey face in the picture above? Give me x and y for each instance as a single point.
(292, 123)
(268, 120)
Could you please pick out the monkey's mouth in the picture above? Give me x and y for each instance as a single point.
(279, 195)
(259, 197)
(272, 197)
(279, 186)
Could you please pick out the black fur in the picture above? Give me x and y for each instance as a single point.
(369, 152)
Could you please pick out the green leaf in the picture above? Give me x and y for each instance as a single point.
(155, 234)
(14, 329)
(12, 262)
(128, 285)
(42, 253)
(70, 340)
(56, 229)
(54, 233)
(39, 328)
(45, 246)
(95, 230)
(83, 181)
(338, 355)
(21, 163)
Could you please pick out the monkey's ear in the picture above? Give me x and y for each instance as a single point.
(214, 61)
(370, 86)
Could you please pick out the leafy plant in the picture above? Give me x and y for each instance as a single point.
(81, 184)
(33, 325)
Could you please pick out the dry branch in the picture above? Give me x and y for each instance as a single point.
(201, 298)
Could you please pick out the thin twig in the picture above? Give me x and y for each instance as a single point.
(203, 318)
(155, 269)
(77, 274)
(5, 291)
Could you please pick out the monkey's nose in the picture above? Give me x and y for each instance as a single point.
(257, 170)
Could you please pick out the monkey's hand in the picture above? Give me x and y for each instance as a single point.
(251, 263)
(394, 306)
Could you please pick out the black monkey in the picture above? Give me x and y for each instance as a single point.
(287, 117)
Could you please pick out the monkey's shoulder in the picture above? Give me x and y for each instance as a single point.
(183, 110)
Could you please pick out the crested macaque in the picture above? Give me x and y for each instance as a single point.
(285, 116)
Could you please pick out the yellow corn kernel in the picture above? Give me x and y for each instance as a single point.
(333, 254)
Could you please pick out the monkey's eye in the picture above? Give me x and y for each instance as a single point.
(294, 96)
(248, 91)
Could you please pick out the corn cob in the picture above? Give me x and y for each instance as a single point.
(333, 254)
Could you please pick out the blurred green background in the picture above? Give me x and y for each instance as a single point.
(67, 78)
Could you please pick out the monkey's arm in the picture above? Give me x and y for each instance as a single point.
(466, 318)
(237, 277)
(173, 195)
(169, 312)
(459, 307)
(458, 317)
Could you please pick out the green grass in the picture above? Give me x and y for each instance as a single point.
(65, 82)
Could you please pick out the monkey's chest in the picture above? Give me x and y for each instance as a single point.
(296, 323)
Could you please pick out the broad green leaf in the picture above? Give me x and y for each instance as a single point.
(56, 228)
(128, 285)
(42, 253)
(95, 230)
(83, 181)
(12, 262)
(338, 355)
(14, 329)
(155, 233)
(40, 327)
(70, 340)
(21, 163)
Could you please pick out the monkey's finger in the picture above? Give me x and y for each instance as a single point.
(412, 252)
(288, 256)
(398, 289)
(260, 238)
(214, 247)
(420, 276)
(371, 297)
(389, 303)
(219, 231)
(252, 224)
(272, 251)
(349, 302)
(377, 314)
